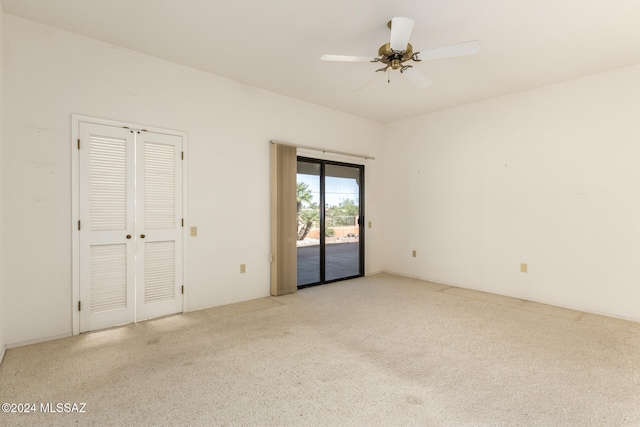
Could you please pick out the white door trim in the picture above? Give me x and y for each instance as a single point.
(75, 207)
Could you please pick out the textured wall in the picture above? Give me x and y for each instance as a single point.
(547, 177)
(3, 301)
(52, 74)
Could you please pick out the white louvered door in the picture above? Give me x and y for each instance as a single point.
(158, 219)
(130, 240)
(107, 216)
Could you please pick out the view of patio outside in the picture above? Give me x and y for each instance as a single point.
(341, 221)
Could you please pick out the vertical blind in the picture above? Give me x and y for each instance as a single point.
(284, 276)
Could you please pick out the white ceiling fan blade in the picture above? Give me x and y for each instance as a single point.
(346, 58)
(451, 51)
(400, 32)
(417, 78)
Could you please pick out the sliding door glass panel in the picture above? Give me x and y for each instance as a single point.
(308, 193)
(342, 213)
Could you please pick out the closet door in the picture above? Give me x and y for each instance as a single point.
(107, 224)
(130, 254)
(158, 224)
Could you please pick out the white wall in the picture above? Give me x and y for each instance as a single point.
(3, 300)
(548, 177)
(51, 74)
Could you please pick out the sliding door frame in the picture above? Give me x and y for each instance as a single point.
(361, 221)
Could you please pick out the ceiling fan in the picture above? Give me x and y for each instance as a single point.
(395, 54)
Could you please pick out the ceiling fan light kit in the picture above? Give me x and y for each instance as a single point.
(398, 51)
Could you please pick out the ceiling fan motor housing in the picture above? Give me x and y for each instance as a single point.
(394, 59)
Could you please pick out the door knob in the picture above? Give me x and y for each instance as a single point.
(142, 236)
(128, 236)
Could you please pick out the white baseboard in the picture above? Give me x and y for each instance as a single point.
(373, 273)
(2, 351)
(515, 296)
(51, 338)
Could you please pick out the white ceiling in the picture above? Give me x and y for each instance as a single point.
(277, 44)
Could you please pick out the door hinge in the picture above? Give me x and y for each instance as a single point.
(183, 289)
(79, 305)
(78, 143)
(183, 222)
(78, 224)
(183, 155)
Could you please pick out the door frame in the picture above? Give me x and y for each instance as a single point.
(361, 221)
(76, 119)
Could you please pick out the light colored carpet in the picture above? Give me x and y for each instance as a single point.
(381, 350)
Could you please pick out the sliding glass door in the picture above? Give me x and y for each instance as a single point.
(308, 195)
(342, 221)
(330, 242)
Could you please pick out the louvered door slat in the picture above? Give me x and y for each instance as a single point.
(108, 278)
(159, 186)
(107, 183)
(160, 272)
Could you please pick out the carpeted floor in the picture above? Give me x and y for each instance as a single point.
(376, 351)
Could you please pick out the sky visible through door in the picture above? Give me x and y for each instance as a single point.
(349, 189)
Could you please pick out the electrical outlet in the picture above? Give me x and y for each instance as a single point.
(523, 268)
(243, 268)
(414, 254)
(194, 231)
